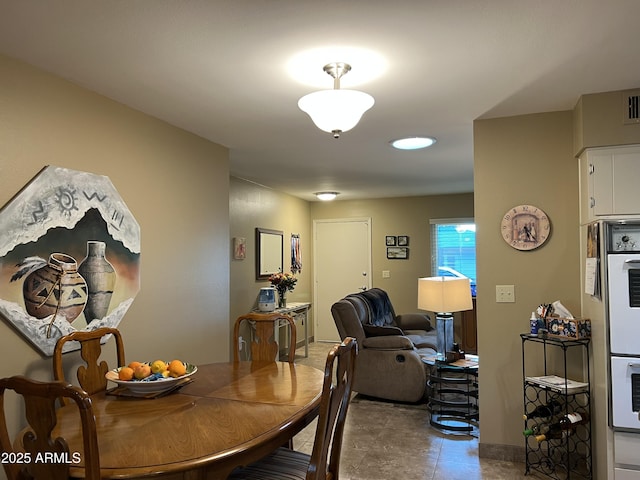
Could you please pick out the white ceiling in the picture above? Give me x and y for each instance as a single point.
(220, 69)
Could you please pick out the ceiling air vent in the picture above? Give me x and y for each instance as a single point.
(631, 106)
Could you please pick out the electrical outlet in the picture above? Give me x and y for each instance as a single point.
(386, 274)
(240, 343)
(505, 294)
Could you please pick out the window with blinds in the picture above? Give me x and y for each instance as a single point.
(453, 249)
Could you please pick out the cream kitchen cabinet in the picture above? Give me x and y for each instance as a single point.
(609, 182)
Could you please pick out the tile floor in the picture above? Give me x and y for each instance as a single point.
(386, 440)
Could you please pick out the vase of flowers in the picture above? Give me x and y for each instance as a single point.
(283, 283)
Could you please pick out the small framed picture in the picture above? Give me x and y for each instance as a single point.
(397, 253)
(390, 241)
(403, 240)
(239, 248)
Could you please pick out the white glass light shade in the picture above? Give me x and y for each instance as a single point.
(444, 294)
(326, 196)
(336, 110)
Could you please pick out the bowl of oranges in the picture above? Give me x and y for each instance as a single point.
(151, 377)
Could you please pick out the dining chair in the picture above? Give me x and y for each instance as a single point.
(92, 376)
(324, 461)
(263, 346)
(41, 456)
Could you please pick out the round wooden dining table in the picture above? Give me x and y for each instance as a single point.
(230, 414)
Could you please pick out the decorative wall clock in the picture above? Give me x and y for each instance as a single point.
(525, 227)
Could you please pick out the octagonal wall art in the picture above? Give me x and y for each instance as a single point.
(69, 257)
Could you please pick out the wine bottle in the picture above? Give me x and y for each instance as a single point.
(539, 429)
(554, 435)
(571, 420)
(535, 430)
(563, 427)
(543, 411)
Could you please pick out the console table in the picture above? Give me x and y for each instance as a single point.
(300, 313)
(453, 394)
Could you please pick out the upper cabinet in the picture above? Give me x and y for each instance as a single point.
(609, 182)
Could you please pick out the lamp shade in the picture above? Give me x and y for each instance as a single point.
(336, 110)
(444, 294)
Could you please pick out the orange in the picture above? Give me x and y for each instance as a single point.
(125, 373)
(142, 371)
(177, 368)
(133, 365)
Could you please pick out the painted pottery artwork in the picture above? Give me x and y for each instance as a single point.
(55, 289)
(100, 277)
(94, 279)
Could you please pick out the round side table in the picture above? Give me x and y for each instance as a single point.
(453, 394)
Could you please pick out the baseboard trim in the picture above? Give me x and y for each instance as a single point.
(507, 453)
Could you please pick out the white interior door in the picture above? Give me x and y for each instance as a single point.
(342, 265)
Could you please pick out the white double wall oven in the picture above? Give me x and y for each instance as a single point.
(622, 241)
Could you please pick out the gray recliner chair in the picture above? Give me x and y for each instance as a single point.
(389, 365)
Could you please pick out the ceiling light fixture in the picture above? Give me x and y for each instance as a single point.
(336, 111)
(412, 143)
(326, 196)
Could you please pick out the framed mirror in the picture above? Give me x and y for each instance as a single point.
(269, 252)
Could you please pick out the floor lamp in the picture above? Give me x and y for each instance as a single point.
(444, 296)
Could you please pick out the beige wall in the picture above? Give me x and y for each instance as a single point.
(525, 159)
(520, 160)
(254, 206)
(399, 216)
(251, 206)
(175, 183)
(530, 159)
(598, 122)
(177, 186)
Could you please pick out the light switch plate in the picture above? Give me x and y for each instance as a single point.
(386, 274)
(505, 294)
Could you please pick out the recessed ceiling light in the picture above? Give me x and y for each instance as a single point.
(412, 143)
(326, 196)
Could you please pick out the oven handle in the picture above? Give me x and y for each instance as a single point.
(632, 261)
(634, 365)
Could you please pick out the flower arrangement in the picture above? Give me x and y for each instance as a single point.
(283, 282)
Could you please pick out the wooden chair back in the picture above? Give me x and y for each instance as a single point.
(37, 444)
(92, 375)
(324, 461)
(336, 396)
(263, 346)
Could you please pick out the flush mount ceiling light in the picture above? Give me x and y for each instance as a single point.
(412, 143)
(336, 111)
(326, 196)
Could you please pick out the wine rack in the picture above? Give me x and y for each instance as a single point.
(568, 457)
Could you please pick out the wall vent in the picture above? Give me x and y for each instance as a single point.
(631, 106)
